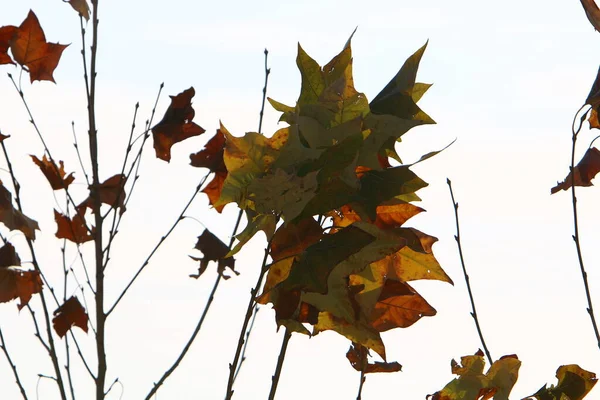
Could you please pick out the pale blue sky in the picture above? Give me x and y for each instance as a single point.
(507, 76)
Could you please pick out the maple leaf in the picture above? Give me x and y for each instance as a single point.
(256, 223)
(211, 157)
(176, 124)
(391, 214)
(13, 218)
(574, 383)
(111, 193)
(55, 175)
(82, 8)
(6, 35)
(14, 281)
(472, 383)
(357, 355)
(592, 12)
(74, 229)
(71, 313)
(30, 49)
(583, 173)
(213, 249)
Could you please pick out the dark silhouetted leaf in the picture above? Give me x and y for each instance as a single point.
(8, 256)
(56, 175)
(357, 355)
(176, 125)
(111, 193)
(593, 14)
(213, 249)
(13, 218)
(68, 315)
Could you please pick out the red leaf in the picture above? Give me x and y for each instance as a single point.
(56, 176)
(30, 49)
(211, 157)
(583, 173)
(111, 192)
(74, 229)
(70, 314)
(176, 125)
(6, 35)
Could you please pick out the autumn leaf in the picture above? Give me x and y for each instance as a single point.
(593, 14)
(111, 193)
(30, 49)
(357, 355)
(81, 6)
(256, 223)
(14, 281)
(71, 313)
(583, 173)
(55, 175)
(473, 384)
(211, 157)
(74, 229)
(6, 35)
(176, 124)
(574, 383)
(391, 214)
(213, 249)
(13, 218)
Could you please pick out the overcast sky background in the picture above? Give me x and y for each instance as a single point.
(508, 77)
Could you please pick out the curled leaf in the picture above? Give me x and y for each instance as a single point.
(55, 175)
(357, 355)
(574, 383)
(583, 173)
(82, 7)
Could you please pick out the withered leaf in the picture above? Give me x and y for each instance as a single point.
(211, 157)
(17, 283)
(56, 175)
(74, 229)
(176, 125)
(357, 355)
(68, 315)
(82, 7)
(574, 383)
(111, 193)
(583, 173)
(8, 256)
(13, 218)
(30, 49)
(592, 12)
(213, 249)
(6, 35)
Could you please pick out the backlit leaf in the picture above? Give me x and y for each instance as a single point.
(74, 229)
(6, 35)
(81, 6)
(211, 157)
(176, 125)
(16, 283)
(111, 192)
(357, 355)
(55, 175)
(13, 218)
(583, 173)
(71, 313)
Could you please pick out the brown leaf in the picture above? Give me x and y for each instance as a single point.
(592, 12)
(111, 193)
(8, 256)
(390, 215)
(294, 238)
(176, 125)
(6, 35)
(583, 173)
(74, 229)
(13, 218)
(213, 249)
(211, 157)
(70, 314)
(81, 6)
(17, 283)
(56, 176)
(30, 49)
(357, 355)
(3, 137)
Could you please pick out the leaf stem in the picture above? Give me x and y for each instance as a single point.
(576, 237)
(282, 352)
(467, 280)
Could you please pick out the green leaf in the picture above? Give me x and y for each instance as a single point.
(311, 271)
(256, 223)
(288, 112)
(313, 82)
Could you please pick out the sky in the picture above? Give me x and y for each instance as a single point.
(508, 77)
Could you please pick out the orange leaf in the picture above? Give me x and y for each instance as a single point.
(357, 355)
(13, 218)
(15, 282)
(30, 49)
(390, 215)
(56, 176)
(70, 314)
(211, 157)
(81, 6)
(6, 35)
(176, 125)
(213, 249)
(583, 173)
(111, 192)
(74, 229)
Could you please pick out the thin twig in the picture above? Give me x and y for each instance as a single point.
(275, 379)
(462, 261)
(12, 366)
(363, 378)
(576, 238)
(157, 246)
(67, 350)
(262, 108)
(76, 145)
(246, 341)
